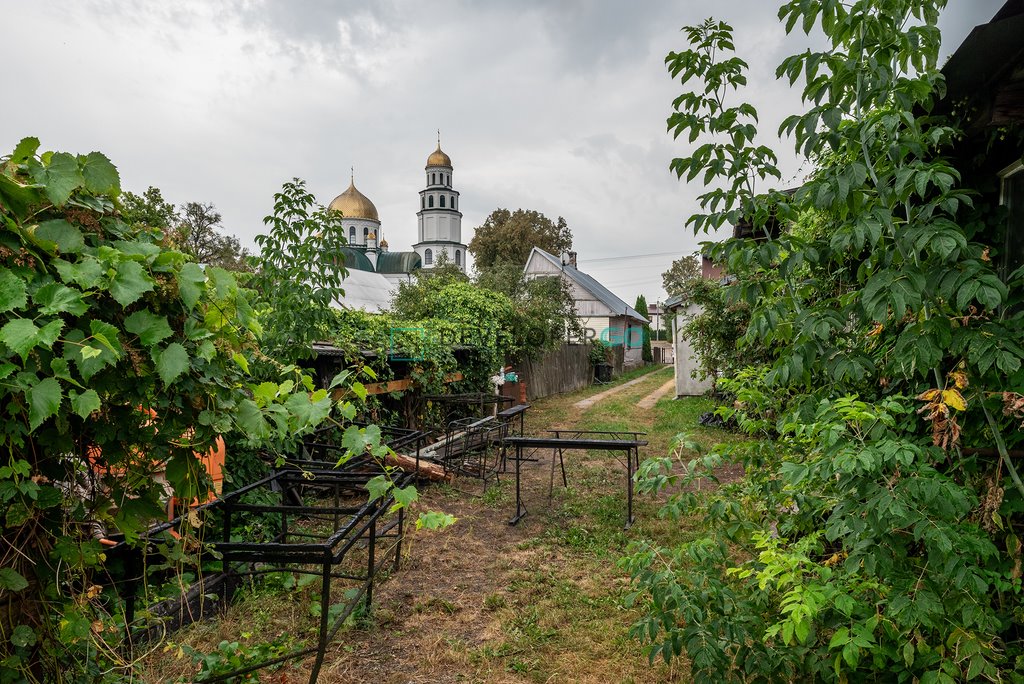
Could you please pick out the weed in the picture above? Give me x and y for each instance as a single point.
(494, 602)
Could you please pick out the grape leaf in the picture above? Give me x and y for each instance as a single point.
(101, 177)
(191, 280)
(56, 298)
(130, 283)
(60, 176)
(150, 327)
(20, 335)
(172, 362)
(12, 291)
(44, 400)
(67, 237)
(25, 149)
(85, 403)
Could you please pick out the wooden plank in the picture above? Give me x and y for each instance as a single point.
(402, 385)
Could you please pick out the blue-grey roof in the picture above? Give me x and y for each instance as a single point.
(398, 262)
(591, 285)
(356, 259)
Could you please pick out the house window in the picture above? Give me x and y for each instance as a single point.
(423, 202)
(366, 233)
(447, 179)
(453, 201)
(433, 179)
(428, 257)
(351, 233)
(1012, 197)
(458, 257)
(430, 201)
(442, 201)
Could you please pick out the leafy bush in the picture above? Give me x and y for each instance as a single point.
(876, 533)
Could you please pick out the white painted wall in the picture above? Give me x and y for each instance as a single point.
(686, 362)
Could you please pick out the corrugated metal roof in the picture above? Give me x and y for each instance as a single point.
(398, 262)
(591, 285)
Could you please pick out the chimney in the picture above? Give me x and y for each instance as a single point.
(572, 259)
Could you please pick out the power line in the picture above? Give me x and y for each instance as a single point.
(629, 256)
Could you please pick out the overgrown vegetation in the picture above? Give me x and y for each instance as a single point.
(877, 532)
(121, 361)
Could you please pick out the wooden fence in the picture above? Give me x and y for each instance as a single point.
(562, 370)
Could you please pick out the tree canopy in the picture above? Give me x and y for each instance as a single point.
(506, 237)
(194, 229)
(197, 233)
(682, 270)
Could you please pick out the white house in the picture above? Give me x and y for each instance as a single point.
(604, 316)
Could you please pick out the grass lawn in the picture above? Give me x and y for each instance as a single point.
(486, 602)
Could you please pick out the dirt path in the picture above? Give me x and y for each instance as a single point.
(651, 399)
(483, 601)
(488, 602)
(584, 404)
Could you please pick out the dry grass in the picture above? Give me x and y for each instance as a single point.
(486, 602)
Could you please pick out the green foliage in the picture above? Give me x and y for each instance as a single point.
(192, 230)
(196, 233)
(545, 311)
(678, 276)
(506, 237)
(299, 269)
(120, 361)
(599, 352)
(716, 330)
(865, 541)
(233, 655)
(645, 353)
(149, 209)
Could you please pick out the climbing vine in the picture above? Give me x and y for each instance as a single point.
(120, 361)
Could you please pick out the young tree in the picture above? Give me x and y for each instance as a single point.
(682, 270)
(194, 229)
(545, 308)
(646, 353)
(507, 237)
(299, 272)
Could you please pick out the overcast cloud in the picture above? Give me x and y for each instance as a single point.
(557, 106)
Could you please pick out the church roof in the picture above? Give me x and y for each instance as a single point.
(398, 262)
(356, 260)
(368, 291)
(439, 158)
(354, 204)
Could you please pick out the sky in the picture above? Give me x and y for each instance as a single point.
(553, 105)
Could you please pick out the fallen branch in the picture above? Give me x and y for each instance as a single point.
(431, 471)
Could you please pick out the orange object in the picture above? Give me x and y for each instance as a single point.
(212, 460)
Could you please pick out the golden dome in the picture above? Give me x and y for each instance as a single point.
(439, 158)
(372, 236)
(354, 204)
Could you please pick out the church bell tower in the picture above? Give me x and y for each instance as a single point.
(439, 221)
